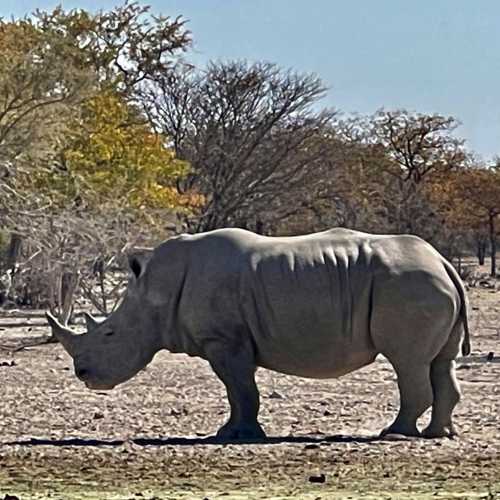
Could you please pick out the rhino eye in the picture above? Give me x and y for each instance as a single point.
(109, 333)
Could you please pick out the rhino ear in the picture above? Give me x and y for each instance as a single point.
(138, 263)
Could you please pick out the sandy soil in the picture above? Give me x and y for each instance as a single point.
(149, 438)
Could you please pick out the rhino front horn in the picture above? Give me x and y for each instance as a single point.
(67, 338)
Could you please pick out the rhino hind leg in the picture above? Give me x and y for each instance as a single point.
(445, 387)
(446, 396)
(415, 393)
(413, 337)
(235, 366)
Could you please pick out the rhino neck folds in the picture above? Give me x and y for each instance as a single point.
(172, 335)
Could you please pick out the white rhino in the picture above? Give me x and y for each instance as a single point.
(320, 306)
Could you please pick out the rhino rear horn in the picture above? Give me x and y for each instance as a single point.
(90, 322)
(68, 339)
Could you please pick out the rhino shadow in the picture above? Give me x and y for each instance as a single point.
(195, 441)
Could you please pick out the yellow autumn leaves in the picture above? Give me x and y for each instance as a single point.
(70, 132)
(114, 155)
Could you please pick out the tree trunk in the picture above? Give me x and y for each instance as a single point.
(493, 245)
(69, 284)
(481, 251)
(8, 262)
(13, 252)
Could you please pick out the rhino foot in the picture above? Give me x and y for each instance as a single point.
(232, 432)
(433, 431)
(400, 430)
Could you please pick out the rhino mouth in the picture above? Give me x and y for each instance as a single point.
(96, 386)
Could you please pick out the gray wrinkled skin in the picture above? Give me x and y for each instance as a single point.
(318, 306)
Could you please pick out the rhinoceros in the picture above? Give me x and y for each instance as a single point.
(319, 305)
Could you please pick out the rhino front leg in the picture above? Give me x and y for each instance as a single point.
(235, 365)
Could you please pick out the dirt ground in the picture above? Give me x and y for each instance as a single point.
(148, 439)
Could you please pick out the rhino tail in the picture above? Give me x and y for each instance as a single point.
(457, 281)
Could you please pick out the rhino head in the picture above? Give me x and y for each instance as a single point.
(114, 350)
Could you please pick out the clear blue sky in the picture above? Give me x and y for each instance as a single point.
(429, 56)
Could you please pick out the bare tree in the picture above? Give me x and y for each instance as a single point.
(69, 256)
(250, 133)
(399, 153)
(419, 146)
(418, 143)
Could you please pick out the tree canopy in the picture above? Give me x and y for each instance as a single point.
(68, 122)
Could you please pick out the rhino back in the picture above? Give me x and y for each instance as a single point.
(303, 300)
(306, 302)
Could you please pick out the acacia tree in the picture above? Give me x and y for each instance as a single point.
(344, 190)
(249, 132)
(52, 62)
(481, 188)
(357, 177)
(469, 200)
(39, 89)
(104, 154)
(123, 46)
(400, 153)
(112, 158)
(419, 144)
(110, 152)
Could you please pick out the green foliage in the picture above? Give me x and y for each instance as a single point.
(68, 127)
(123, 46)
(112, 157)
(38, 89)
